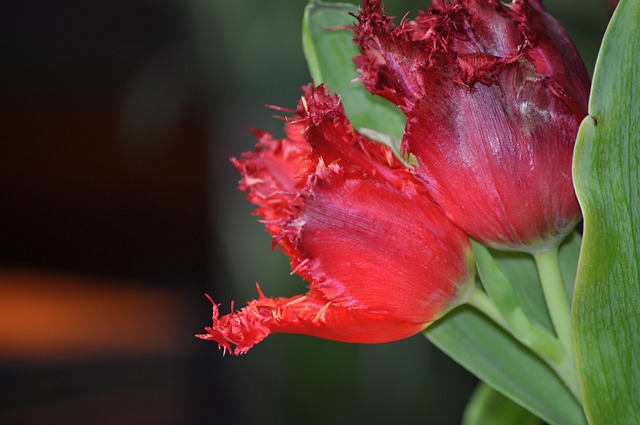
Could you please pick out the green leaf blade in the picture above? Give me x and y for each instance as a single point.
(329, 49)
(606, 308)
(498, 359)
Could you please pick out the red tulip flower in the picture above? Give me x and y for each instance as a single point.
(381, 259)
(494, 94)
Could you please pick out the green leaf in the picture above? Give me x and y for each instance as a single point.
(606, 306)
(504, 296)
(488, 407)
(520, 269)
(329, 49)
(499, 360)
(512, 282)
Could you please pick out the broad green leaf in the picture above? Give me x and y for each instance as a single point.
(606, 306)
(488, 407)
(499, 360)
(329, 49)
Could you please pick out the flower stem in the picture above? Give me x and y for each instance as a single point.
(555, 295)
(564, 365)
(481, 301)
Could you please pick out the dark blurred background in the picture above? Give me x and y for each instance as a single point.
(119, 210)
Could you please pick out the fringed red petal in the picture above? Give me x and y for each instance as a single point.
(381, 258)
(494, 94)
(370, 247)
(310, 314)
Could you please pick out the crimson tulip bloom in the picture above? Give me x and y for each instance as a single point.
(494, 94)
(381, 259)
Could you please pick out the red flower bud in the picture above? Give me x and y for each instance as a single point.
(381, 259)
(494, 94)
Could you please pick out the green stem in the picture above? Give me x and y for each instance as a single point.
(566, 370)
(481, 301)
(559, 306)
(563, 366)
(555, 295)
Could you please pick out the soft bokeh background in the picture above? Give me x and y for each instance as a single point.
(119, 210)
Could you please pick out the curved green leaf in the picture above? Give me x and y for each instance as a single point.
(488, 407)
(329, 49)
(606, 306)
(499, 360)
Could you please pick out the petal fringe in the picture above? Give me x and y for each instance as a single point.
(308, 314)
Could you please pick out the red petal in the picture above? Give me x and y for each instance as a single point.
(390, 63)
(381, 258)
(368, 224)
(334, 139)
(309, 314)
(370, 247)
(554, 55)
(503, 174)
(495, 99)
(275, 174)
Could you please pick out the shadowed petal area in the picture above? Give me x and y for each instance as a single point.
(500, 171)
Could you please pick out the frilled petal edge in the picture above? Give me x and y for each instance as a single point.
(381, 259)
(310, 314)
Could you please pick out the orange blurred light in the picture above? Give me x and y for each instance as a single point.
(47, 316)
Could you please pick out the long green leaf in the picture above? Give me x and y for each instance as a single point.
(329, 49)
(488, 407)
(606, 307)
(499, 360)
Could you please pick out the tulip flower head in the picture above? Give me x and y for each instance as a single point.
(381, 259)
(494, 94)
